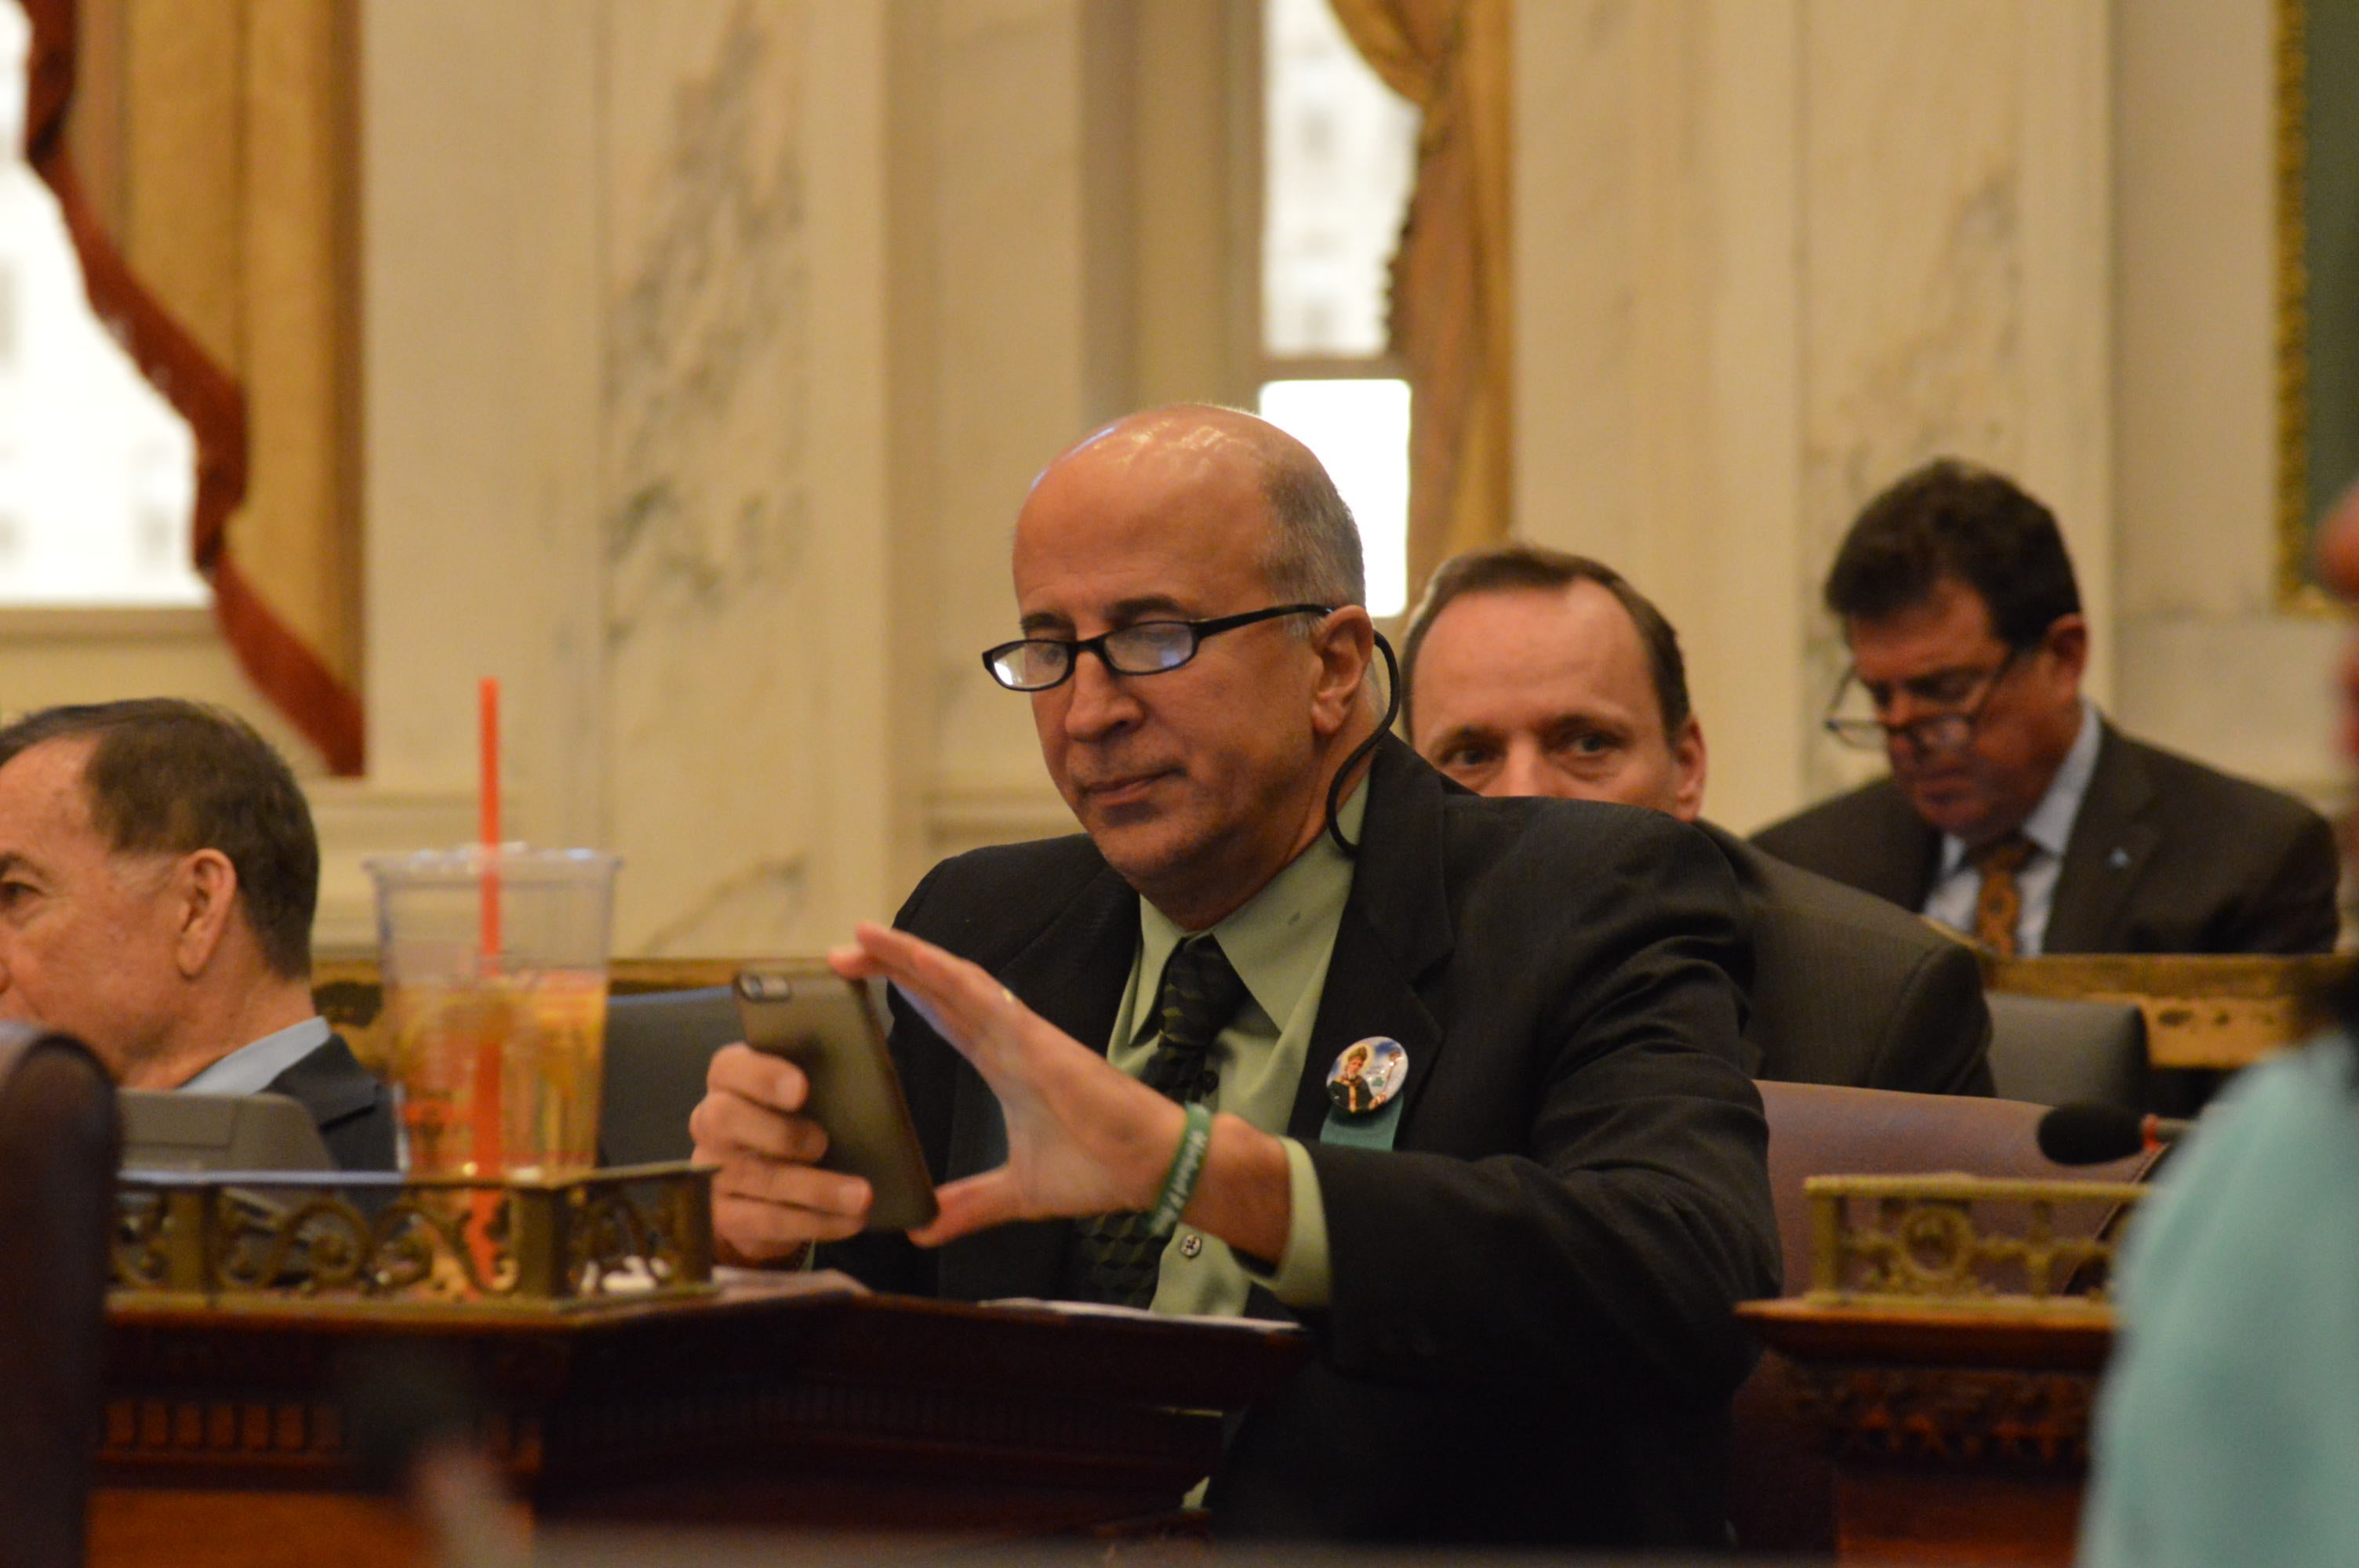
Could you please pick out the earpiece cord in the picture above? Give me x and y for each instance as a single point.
(1360, 752)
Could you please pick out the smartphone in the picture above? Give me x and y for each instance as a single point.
(828, 1026)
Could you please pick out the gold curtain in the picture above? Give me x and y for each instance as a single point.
(1451, 303)
(217, 146)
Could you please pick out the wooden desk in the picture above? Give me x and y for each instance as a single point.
(1957, 1436)
(2202, 1010)
(792, 1399)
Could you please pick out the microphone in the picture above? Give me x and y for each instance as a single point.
(2092, 1134)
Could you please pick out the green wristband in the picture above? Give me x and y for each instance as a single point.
(1187, 1167)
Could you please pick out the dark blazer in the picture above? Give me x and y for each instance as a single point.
(1847, 989)
(1530, 1336)
(355, 1112)
(2167, 856)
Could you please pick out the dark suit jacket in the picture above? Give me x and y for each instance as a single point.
(1847, 989)
(355, 1112)
(1530, 1336)
(2167, 856)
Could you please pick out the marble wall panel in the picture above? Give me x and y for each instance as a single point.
(480, 303)
(2209, 664)
(1771, 255)
(1946, 310)
(1656, 303)
(1018, 366)
(705, 531)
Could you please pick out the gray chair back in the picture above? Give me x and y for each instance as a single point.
(2057, 1050)
(657, 1046)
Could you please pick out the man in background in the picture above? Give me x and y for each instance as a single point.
(2013, 811)
(1533, 672)
(157, 879)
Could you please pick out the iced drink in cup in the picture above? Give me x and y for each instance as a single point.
(495, 970)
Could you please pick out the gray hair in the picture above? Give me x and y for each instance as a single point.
(1314, 549)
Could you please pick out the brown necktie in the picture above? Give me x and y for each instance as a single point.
(1998, 909)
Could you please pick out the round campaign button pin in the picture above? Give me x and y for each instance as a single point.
(1190, 1244)
(1366, 1074)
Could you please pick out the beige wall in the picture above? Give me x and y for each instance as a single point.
(710, 347)
(2208, 661)
(1771, 253)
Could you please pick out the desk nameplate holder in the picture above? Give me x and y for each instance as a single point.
(1913, 1243)
(303, 1240)
(1945, 1357)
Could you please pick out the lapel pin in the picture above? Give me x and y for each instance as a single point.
(2119, 859)
(1366, 1074)
(1190, 1245)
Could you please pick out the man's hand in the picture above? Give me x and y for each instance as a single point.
(1082, 1137)
(768, 1200)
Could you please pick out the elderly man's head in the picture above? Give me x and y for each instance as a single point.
(1199, 777)
(158, 867)
(1533, 672)
(1958, 601)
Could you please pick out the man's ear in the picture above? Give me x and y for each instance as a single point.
(204, 893)
(1688, 765)
(1344, 647)
(2067, 642)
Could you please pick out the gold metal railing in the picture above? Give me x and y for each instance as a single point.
(219, 1239)
(1914, 1242)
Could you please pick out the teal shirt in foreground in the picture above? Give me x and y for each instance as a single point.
(2228, 1427)
(1279, 940)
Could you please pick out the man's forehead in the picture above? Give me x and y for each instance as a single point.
(1137, 515)
(52, 771)
(1578, 640)
(1949, 627)
(43, 800)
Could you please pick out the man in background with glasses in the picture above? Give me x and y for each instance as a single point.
(1517, 1258)
(2014, 812)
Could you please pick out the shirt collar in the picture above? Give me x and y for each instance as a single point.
(1276, 938)
(250, 1069)
(2049, 825)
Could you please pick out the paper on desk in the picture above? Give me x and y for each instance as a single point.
(787, 1282)
(1104, 1309)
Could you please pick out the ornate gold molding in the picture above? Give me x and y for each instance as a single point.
(1913, 1242)
(2296, 592)
(630, 1234)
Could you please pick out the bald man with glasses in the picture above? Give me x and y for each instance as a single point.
(1295, 1029)
(2014, 812)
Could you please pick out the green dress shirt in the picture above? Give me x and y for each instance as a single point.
(1279, 942)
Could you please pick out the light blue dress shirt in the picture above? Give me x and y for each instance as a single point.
(250, 1069)
(1958, 886)
(2227, 1431)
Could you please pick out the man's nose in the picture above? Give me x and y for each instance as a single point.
(1098, 702)
(1523, 772)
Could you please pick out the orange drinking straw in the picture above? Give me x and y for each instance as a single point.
(489, 1049)
(488, 803)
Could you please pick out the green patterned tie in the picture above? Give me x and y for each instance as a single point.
(1118, 1257)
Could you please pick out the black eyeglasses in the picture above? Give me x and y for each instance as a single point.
(1141, 648)
(1947, 732)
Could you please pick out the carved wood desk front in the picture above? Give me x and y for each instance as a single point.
(1957, 1436)
(793, 1400)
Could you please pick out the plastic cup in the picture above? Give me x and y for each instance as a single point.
(497, 1022)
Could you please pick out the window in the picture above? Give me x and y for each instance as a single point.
(1339, 159)
(97, 471)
